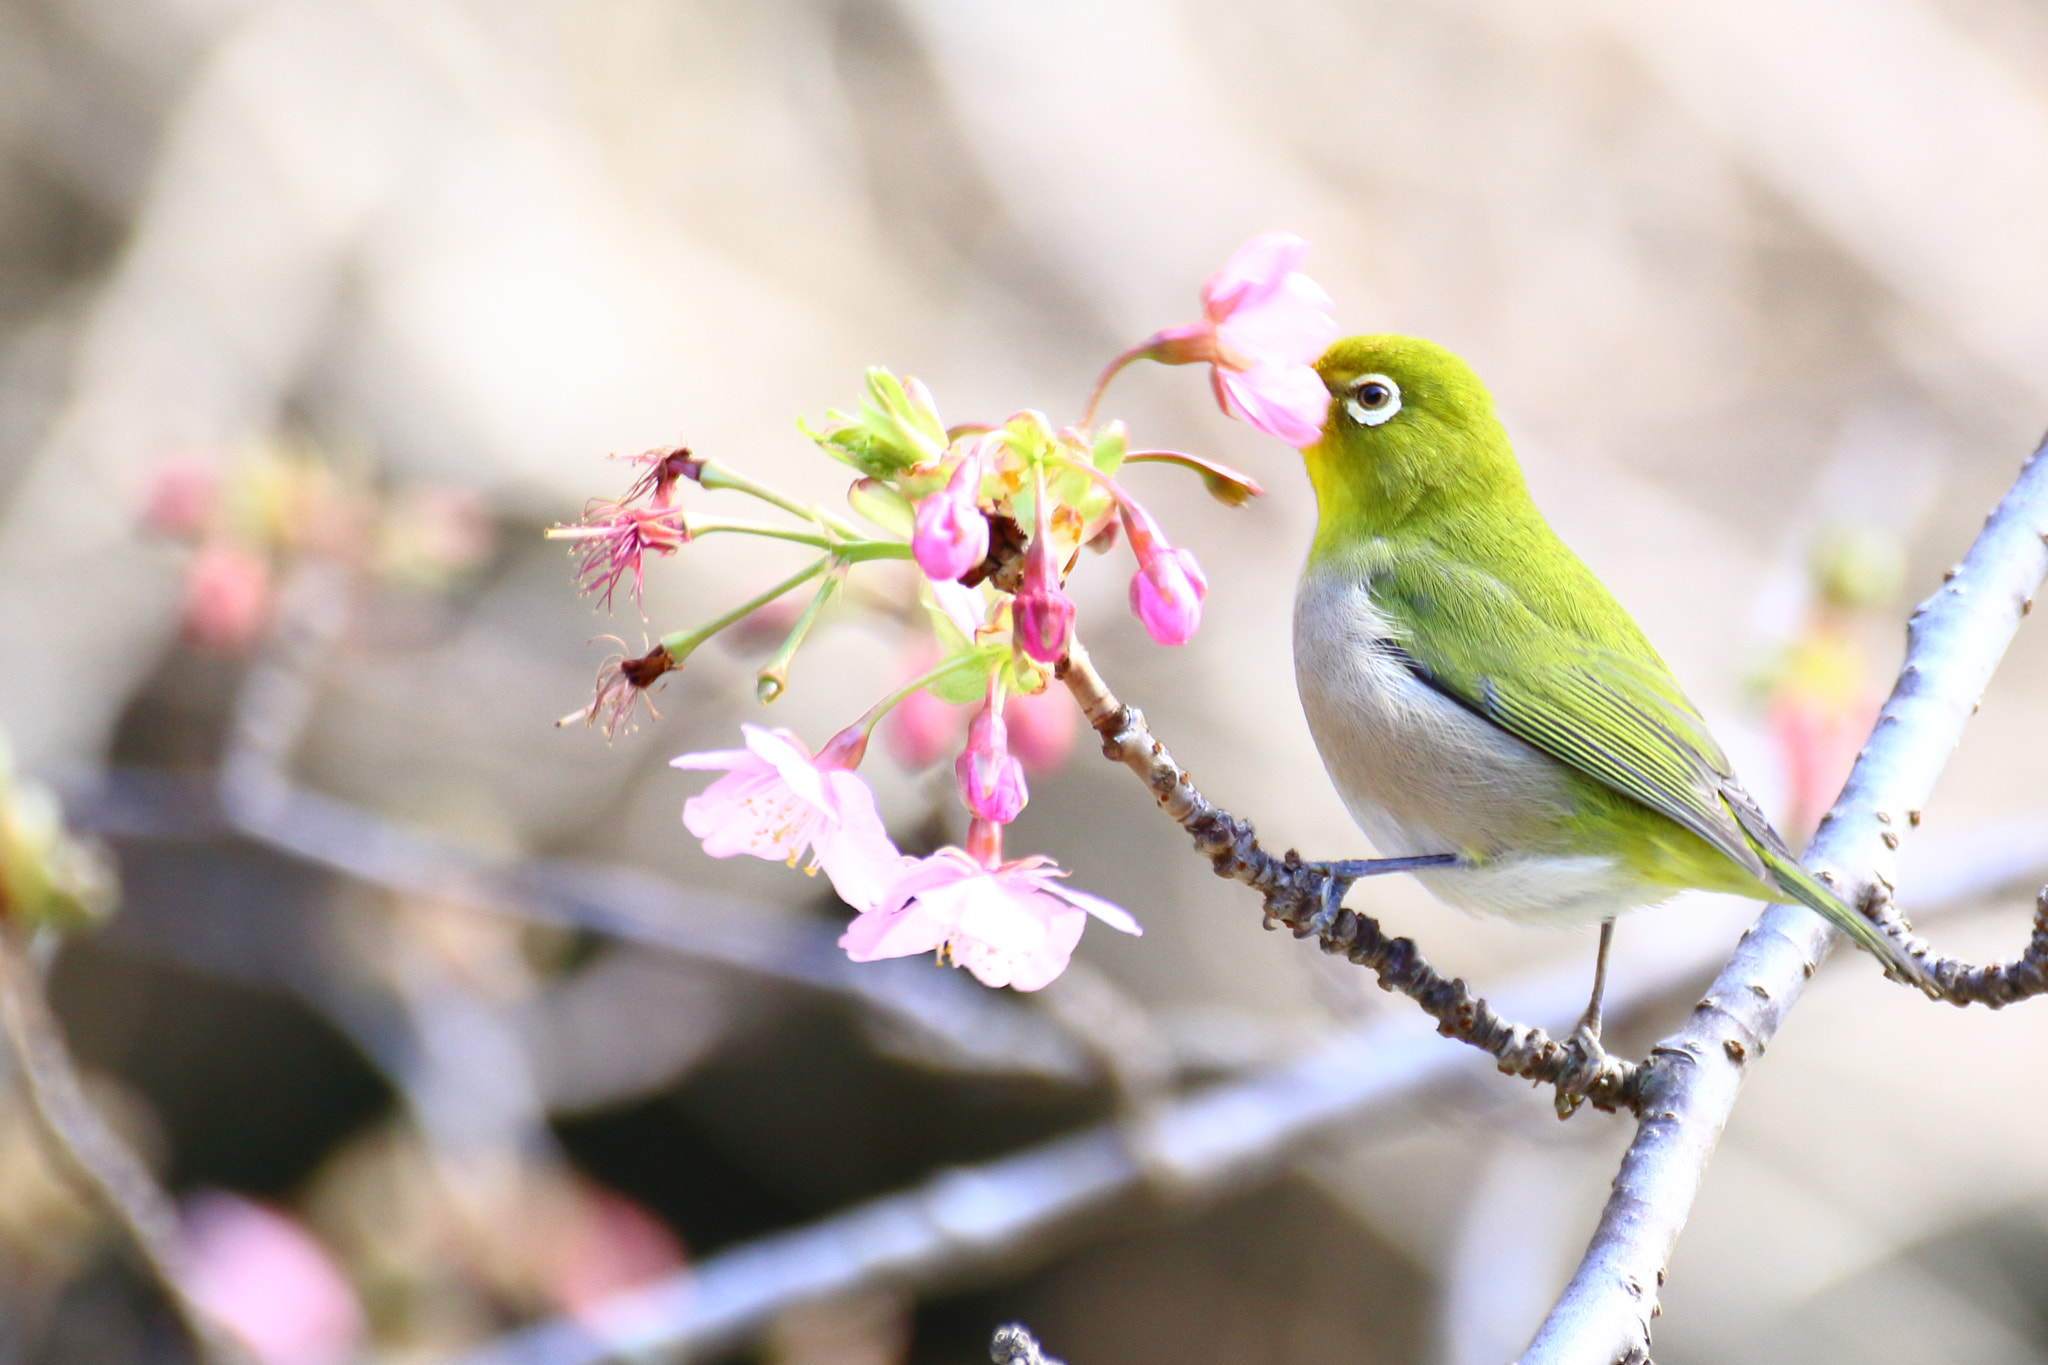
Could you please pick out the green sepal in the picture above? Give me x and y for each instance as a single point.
(1107, 454)
(966, 661)
(898, 427)
(883, 506)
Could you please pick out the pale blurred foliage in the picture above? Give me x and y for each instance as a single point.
(1738, 273)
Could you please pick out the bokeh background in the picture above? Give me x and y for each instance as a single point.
(314, 313)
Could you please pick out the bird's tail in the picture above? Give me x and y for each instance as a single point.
(1810, 891)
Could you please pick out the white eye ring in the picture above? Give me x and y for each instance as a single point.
(1371, 408)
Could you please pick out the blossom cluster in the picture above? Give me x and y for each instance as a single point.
(247, 519)
(994, 516)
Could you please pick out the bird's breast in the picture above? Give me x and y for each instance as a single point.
(1420, 773)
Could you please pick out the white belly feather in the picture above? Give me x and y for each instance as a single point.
(1421, 774)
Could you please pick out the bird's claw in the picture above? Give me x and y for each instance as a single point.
(1335, 887)
(1585, 1060)
(1339, 875)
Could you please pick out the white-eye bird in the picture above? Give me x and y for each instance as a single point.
(1474, 690)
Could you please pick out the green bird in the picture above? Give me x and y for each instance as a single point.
(1475, 691)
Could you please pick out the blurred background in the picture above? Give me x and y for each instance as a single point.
(448, 1040)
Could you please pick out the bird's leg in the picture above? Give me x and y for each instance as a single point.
(1587, 1055)
(1589, 1022)
(1339, 875)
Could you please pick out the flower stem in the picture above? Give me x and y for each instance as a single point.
(717, 474)
(681, 644)
(774, 675)
(946, 668)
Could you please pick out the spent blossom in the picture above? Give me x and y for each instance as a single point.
(1010, 923)
(622, 684)
(777, 801)
(614, 540)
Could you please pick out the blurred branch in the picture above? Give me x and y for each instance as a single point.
(1226, 1136)
(953, 1021)
(1954, 643)
(82, 1145)
(1305, 897)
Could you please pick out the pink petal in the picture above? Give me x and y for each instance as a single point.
(1287, 401)
(873, 936)
(754, 813)
(1004, 918)
(1115, 916)
(963, 605)
(792, 761)
(1026, 970)
(1252, 271)
(852, 846)
(717, 758)
(942, 868)
(1292, 323)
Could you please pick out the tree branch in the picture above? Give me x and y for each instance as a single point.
(1954, 643)
(1017, 1208)
(1299, 895)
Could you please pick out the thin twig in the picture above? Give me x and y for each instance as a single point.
(1954, 643)
(87, 1150)
(1995, 984)
(1296, 894)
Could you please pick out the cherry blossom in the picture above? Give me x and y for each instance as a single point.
(776, 801)
(1010, 923)
(1264, 324)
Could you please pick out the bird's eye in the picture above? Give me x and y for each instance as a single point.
(1373, 399)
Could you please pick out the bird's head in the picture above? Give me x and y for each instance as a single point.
(1411, 434)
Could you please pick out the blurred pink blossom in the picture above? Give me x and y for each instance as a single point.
(265, 1279)
(181, 497)
(1042, 727)
(776, 801)
(610, 1246)
(1168, 588)
(1010, 923)
(920, 729)
(991, 779)
(227, 597)
(952, 534)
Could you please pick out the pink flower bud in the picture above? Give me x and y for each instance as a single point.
(952, 534)
(991, 779)
(1042, 617)
(1042, 727)
(1167, 590)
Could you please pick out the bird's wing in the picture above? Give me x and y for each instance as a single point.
(1617, 717)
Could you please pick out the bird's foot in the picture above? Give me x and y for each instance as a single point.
(1338, 876)
(1585, 1061)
